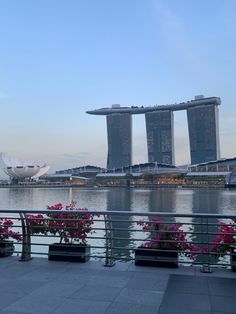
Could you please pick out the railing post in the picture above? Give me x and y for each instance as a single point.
(26, 244)
(109, 259)
(206, 267)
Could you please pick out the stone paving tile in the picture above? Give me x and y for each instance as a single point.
(223, 304)
(114, 272)
(124, 288)
(7, 298)
(7, 260)
(82, 271)
(54, 269)
(17, 286)
(189, 285)
(38, 305)
(17, 270)
(109, 280)
(81, 307)
(182, 278)
(13, 312)
(57, 289)
(173, 310)
(183, 301)
(96, 293)
(220, 312)
(181, 270)
(99, 264)
(39, 275)
(222, 287)
(146, 281)
(122, 308)
(74, 277)
(139, 297)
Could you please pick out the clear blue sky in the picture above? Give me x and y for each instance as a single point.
(59, 58)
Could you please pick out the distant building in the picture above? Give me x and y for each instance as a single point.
(160, 136)
(221, 165)
(119, 137)
(147, 174)
(148, 167)
(21, 171)
(203, 127)
(84, 171)
(65, 180)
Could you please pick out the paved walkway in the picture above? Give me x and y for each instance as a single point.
(40, 286)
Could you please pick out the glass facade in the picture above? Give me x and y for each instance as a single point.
(119, 137)
(203, 133)
(203, 126)
(159, 127)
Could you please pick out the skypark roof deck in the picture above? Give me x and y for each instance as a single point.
(142, 109)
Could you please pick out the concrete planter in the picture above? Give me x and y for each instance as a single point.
(69, 252)
(151, 257)
(6, 248)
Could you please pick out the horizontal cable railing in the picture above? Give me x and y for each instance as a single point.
(115, 235)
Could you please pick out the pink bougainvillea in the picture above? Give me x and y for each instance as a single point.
(71, 227)
(225, 241)
(167, 236)
(6, 232)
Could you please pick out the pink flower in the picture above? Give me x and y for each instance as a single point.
(166, 236)
(6, 231)
(72, 226)
(225, 241)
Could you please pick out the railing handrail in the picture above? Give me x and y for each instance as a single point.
(108, 223)
(123, 213)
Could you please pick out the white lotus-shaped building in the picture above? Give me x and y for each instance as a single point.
(16, 169)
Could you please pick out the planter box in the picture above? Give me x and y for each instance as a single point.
(6, 248)
(151, 257)
(69, 252)
(233, 261)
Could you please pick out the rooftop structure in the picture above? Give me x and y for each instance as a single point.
(225, 164)
(172, 107)
(84, 171)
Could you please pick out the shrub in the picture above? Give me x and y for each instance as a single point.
(165, 236)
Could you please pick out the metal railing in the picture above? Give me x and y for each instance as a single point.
(116, 234)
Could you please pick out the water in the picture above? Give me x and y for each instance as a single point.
(147, 200)
(117, 199)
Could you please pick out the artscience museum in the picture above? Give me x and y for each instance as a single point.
(18, 171)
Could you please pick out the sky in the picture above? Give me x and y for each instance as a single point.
(59, 58)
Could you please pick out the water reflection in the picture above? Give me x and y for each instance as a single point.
(162, 200)
(120, 200)
(145, 200)
(205, 201)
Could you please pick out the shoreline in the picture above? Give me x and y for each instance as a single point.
(59, 186)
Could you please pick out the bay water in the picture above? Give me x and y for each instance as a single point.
(215, 201)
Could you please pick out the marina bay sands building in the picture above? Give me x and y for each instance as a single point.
(203, 126)
(119, 133)
(160, 136)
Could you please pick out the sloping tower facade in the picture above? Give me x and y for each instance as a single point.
(119, 137)
(203, 129)
(160, 136)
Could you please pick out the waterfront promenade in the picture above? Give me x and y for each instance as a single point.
(42, 286)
